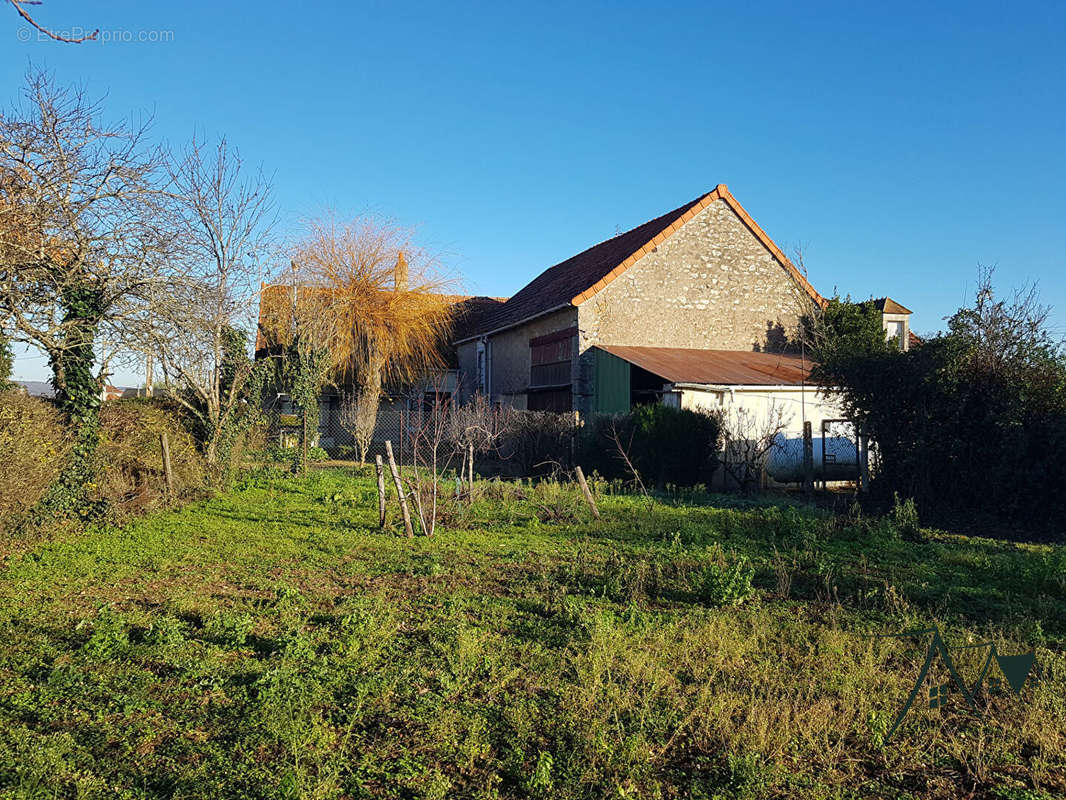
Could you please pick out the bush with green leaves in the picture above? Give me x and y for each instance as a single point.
(665, 445)
(970, 422)
(725, 581)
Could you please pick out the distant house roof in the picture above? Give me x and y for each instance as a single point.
(107, 392)
(722, 367)
(887, 305)
(572, 282)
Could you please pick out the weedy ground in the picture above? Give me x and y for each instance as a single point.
(273, 642)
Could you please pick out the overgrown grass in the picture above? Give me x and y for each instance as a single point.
(273, 642)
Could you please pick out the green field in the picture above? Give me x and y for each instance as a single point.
(272, 642)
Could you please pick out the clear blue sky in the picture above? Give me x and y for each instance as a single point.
(899, 145)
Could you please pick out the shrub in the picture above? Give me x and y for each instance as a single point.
(631, 579)
(109, 638)
(721, 583)
(346, 452)
(970, 423)
(556, 502)
(34, 447)
(131, 461)
(535, 443)
(905, 517)
(666, 445)
(317, 454)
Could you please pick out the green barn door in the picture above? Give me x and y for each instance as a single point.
(612, 384)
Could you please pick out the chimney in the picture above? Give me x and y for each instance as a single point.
(400, 272)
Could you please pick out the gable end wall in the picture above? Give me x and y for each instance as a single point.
(711, 285)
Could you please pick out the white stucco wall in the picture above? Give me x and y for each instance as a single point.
(796, 404)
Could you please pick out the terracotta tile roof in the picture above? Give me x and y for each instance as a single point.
(572, 282)
(887, 305)
(470, 313)
(726, 367)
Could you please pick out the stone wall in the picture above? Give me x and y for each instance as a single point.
(711, 285)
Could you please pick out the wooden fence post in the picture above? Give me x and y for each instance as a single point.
(381, 490)
(470, 468)
(399, 491)
(808, 458)
(164, 445)
(303, 446)
(585, 490)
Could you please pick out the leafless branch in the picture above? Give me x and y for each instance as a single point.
(224, 218)
(622, 453)
(748, 438)
(22, 12)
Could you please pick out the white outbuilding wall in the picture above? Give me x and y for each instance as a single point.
(794, 403)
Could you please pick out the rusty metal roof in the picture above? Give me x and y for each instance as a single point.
(728, 367)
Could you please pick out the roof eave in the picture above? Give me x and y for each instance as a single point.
(515, 324)
(732, 387)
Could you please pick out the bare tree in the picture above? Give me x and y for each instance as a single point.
(354, 419)
(477, 427)
(747, 438)
(85, 241)
(1004, 331)
(20, 8)
(226, 216)
(431, 454)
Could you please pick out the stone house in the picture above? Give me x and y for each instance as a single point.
(696, 308)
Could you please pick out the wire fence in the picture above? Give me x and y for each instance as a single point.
(394, 423)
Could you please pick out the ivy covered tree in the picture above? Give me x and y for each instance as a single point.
(84, 243)
(241, 384)
(307, 371)
(297, 329)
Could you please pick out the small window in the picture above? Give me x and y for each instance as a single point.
(894, 330)
(432, 399)
(550, 358)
